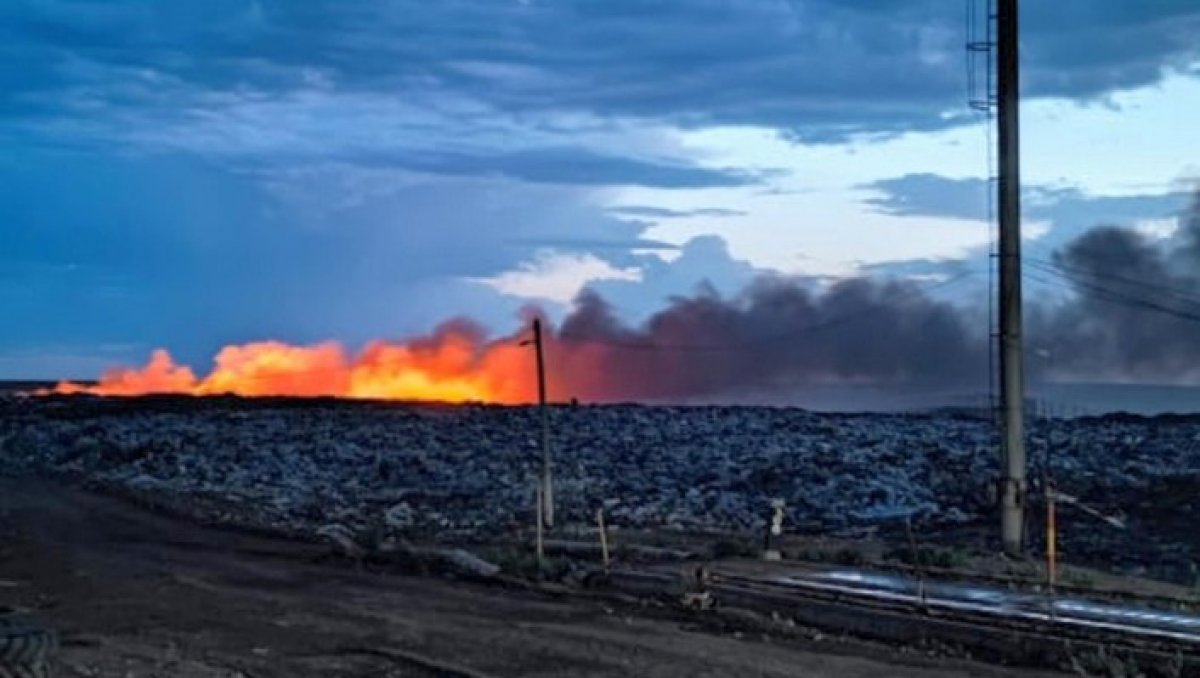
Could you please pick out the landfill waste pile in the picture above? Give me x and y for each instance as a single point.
(463, 472)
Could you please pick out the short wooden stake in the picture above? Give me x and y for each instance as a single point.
(603, 536)
(541, 549)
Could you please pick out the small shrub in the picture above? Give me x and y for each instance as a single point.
(1081, 579)
(946, 559)
(849, 556)
(734, 548)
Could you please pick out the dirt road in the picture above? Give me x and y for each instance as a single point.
(134, 594)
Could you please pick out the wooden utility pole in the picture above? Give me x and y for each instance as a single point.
(1051, 539)
(603, 536)
(547, 484)
(539, 533)
(1012, 372)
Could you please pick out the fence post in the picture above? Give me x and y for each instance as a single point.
(603, 536)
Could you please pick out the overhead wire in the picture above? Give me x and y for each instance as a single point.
(1115, 296)
(1092, 280)
(1171, 290)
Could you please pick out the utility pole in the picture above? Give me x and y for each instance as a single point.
(539, 530)
(1012, 372)
(1051, 538)
(547, 474)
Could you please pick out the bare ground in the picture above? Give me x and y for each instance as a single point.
(136, 594)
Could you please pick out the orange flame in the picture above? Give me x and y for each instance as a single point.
(454, 365)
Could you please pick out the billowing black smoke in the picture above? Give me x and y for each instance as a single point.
(1135, 312)
(777, 335)
(1132, 313)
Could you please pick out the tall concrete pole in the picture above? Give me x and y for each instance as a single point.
(1012, 371)
(547, 472)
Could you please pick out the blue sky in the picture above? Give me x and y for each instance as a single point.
(191, 174)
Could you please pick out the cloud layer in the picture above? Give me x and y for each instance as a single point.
(193, 174)
(820, 68)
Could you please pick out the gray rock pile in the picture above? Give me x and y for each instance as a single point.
(450, 472)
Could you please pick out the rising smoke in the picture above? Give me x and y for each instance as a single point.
(1135, 311)
(775, 336)
(1131, 313)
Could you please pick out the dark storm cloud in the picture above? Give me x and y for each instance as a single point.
(1069, 212)
(933, 195)
(171, 251)
(1082, 48)
(930, 195)
(819, 69)
(572, 167)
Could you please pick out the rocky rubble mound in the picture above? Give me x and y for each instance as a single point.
(453, 471)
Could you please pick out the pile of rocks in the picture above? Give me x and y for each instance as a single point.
(454, 471)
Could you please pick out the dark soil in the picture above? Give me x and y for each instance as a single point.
(135, 594)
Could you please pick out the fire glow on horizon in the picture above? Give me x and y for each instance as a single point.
(453, 365)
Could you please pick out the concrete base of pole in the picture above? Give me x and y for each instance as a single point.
(548, 500)
(1012, 517)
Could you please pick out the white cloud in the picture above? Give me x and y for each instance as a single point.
(813, 220)
(1035, 229)
(557, 277)
(1157, 229)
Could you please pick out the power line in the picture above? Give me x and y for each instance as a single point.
(1094, 283)
(1107, 294)
(1177, 292)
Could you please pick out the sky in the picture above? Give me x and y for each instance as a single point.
(195, 174)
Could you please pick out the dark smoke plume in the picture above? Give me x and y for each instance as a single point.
(1135, 312)
(1132, 314)
(776, 335)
